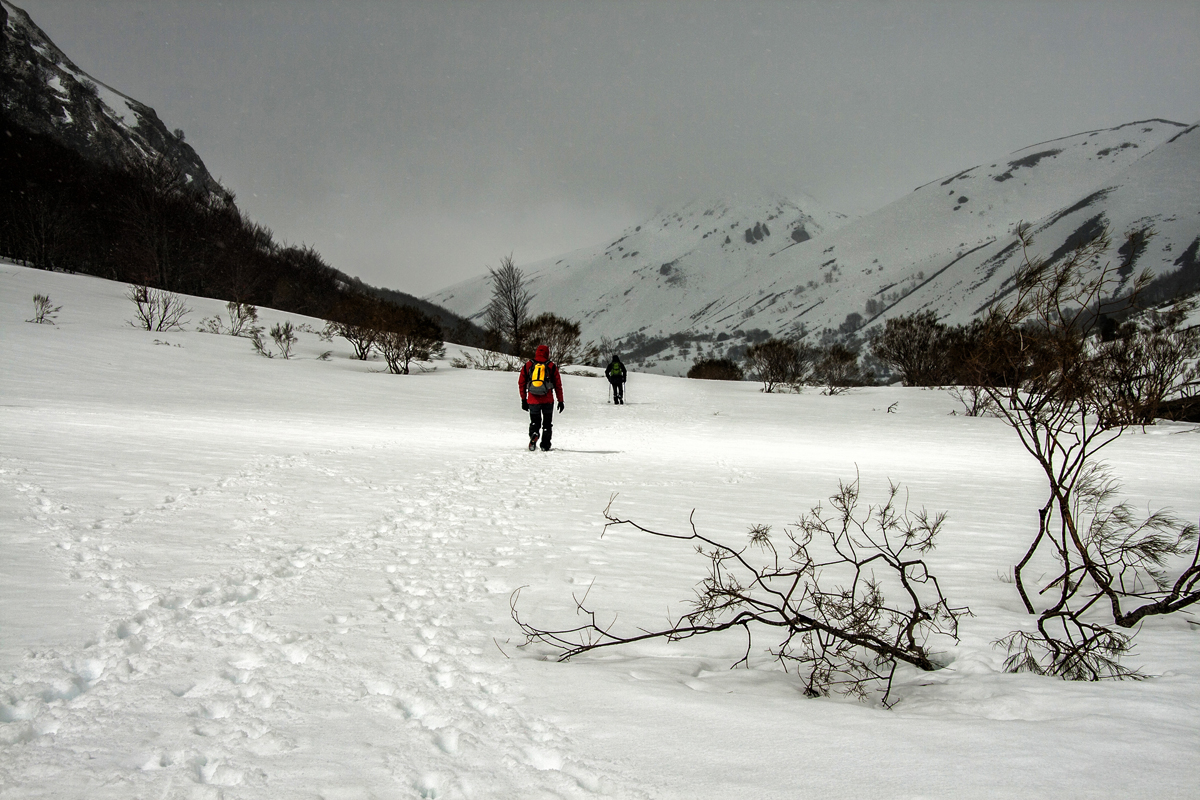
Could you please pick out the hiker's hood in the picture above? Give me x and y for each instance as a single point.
(542, 353)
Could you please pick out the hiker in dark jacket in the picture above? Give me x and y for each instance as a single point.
(539, 382)
(616, 376)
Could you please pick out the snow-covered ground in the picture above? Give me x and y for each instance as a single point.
(227, 576)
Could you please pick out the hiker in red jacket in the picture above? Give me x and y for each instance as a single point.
(539, 383)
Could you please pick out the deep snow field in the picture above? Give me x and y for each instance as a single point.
(228, 576)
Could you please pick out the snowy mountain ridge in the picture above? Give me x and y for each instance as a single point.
(703, 279)
(42, 90)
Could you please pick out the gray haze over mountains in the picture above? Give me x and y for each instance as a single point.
(415, 143)
(709, 279)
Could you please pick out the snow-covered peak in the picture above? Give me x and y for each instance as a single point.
(46, 92)
(707, 277)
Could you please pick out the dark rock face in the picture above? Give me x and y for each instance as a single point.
(42, 90)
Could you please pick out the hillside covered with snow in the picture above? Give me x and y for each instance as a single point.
(711, 276)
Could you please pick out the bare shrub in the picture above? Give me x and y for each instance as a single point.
(358, 320)
(715, 369)
(362, 338)
(1149, 361)
(284, 336)
(242, 319)
(1060, 391)
(837, 367)
(44, 311)
(157, 310)
(487, 360)
(976, 401)
(915, 346)
(847, 618)
(780, 362)
(411, 336)
(558, 334)
(260, 346)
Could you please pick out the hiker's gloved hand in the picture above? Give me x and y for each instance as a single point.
(560, 406)
(524, 405)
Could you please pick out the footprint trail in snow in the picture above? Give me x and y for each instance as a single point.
(242, 681)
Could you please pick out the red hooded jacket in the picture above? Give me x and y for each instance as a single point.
(541, 355)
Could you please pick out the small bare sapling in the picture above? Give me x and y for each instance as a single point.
(44, 311)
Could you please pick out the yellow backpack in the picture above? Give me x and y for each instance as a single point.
(539, 379)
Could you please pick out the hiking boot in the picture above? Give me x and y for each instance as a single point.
(533, 443)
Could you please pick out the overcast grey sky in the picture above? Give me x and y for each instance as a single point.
(415, 143)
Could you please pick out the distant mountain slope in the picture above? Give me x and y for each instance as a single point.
(71, 142)
(947, 246)
(677, 259)
(43, 91)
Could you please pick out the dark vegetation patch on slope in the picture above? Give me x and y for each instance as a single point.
(1085, 233)
(1091, 199)
(1028, 161)
(1181, 282)
(62, 211)
(1182, 133)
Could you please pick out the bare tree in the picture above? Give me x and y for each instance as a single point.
(508, 311)
(847, 620)
(45, 228)
(1055, 385)
(837, 367)
(154, 220)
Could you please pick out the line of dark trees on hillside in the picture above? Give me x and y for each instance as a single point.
(148, 225)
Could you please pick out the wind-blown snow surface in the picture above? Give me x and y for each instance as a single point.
(227, 576)
(948, 247)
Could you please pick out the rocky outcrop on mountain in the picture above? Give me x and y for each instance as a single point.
(42, 90)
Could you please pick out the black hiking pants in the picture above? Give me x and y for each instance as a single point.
(618, 389)
(541, 417)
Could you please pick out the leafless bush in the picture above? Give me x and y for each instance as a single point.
(44, 311)
(1058, 388)
(1112, 557)
(1148, 362)
(558, 334)
(487, 360)
(847, 619)
(837, 367)
(284, 336)
(975, 400)
(260, 346)
(362, 337)
(780, 362)
(915, 345)
(157, 310)
(242, 319)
